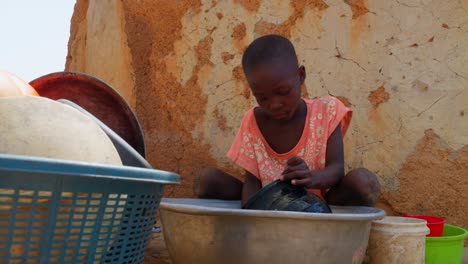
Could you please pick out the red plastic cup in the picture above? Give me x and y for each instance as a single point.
(435, 224)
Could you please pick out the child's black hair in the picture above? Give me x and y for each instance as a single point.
(268, 49)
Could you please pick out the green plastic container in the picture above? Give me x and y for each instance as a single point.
(447, 249)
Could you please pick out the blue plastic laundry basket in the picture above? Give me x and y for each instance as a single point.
(55, 211)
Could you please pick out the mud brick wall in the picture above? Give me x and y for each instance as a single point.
(401, 65)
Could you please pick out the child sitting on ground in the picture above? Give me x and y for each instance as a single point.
(288, 137)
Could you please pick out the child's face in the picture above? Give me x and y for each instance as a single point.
(277, 89)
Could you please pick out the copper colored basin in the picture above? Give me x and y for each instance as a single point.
(98, 98)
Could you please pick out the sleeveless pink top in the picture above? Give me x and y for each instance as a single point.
(251, 151)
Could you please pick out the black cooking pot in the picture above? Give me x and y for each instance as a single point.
(283, 196)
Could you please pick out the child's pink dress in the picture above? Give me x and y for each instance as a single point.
(251, 151)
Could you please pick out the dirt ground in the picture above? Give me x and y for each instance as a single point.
(156, 253)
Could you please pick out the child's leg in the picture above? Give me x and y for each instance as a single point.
(215, 184)
(359, 187)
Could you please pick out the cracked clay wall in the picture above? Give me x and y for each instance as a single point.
(402, 65)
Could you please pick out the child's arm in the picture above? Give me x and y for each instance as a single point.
(250, 187)
(298, 172)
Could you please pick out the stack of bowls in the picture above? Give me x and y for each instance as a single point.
(444, 243)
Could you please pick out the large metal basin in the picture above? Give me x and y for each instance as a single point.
(216, 231)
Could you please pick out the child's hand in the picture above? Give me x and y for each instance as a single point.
(298, 172)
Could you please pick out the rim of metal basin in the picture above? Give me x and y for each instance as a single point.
(213, 207)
